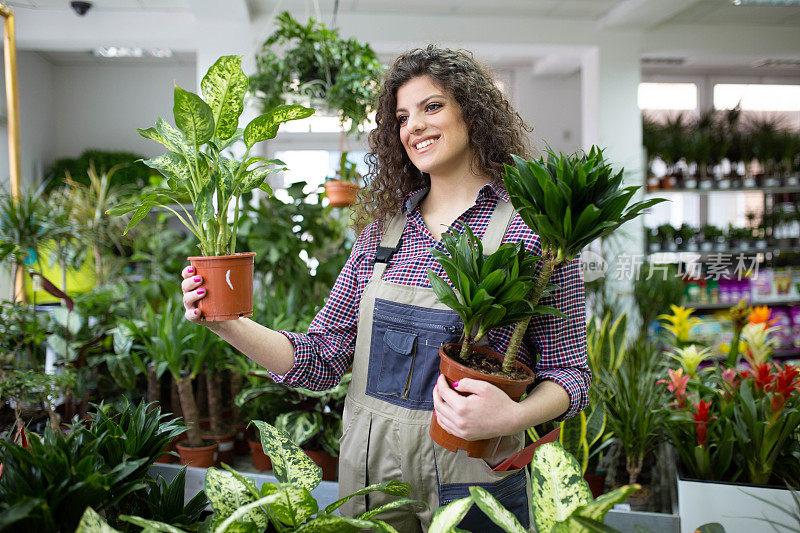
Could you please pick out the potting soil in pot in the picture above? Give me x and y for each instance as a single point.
(483, 363)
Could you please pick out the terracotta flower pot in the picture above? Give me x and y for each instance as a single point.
(341, 193)
(202, 456)
(168, 457)
(226, 444)
(454, 371)
(260, 460)
(328, 463)
(228, 281)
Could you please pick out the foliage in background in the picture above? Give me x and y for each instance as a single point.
(130, 171)
(312, 62)
(655, 289)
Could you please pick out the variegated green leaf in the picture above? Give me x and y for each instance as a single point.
(243, 514)
(290, 464)
(558, 486)
(137, 217)
(91, 522)
(252, 179)
(203, 204)
(597, 509)
(265, 126)
(193, 117)
(294, 506)
(495, 510)
(227, 494)
(380, 525)
(448, 517)
(172, 166)
(223, 88)
(299, 425)
(402, 502)
(151, 525)
(171, 137)
(393, 488)
(331, 523)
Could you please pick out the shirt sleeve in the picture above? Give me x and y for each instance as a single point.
(561, 342)
(325, 352)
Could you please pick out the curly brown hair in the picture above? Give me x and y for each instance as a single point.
(495, 130)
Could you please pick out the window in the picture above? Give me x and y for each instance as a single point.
(668, 96)
(757, 97)
(313, 166)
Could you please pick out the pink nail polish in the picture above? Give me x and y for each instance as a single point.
(455, 383)
(190, 270)
(197, 279)
(201, 291)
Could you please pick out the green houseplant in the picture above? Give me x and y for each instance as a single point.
(238, 505)
(314, 64)
(198, 172)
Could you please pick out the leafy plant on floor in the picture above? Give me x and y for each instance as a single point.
(562, 501)
(287, 505)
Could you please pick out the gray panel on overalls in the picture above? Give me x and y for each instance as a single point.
(387, 412)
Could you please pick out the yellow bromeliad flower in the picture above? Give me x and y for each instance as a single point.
(691, 357)
(680, 323)
(759, 344)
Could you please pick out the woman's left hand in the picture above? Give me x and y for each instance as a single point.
(486, 412)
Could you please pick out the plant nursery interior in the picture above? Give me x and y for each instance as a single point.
(235, 293)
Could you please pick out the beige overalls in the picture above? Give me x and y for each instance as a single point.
(387, 411)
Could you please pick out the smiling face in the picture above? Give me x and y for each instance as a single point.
(432, 131)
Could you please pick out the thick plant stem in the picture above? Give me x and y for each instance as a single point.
(153, 385)
(190, 414)
(542, 278)
(733, 353)
(214, 388)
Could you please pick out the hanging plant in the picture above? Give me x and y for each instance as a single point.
(312, 64)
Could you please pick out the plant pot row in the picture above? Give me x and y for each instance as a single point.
(669, 182)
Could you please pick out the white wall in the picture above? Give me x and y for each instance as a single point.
(552, 105)
(36, 83)
(101, 106)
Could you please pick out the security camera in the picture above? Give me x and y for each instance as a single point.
(81, 8)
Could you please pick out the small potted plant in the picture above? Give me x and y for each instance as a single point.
(198, 172)
(568, 201)
(711, 237)
(685, 235)
(666, 234)
(342, 189)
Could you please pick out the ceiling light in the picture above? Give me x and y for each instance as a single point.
(766, 2)
(125, 51)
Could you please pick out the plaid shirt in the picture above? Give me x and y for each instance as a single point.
(324, 353)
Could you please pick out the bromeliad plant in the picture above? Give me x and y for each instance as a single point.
(569, 201)
(492, 289)
(195, 166)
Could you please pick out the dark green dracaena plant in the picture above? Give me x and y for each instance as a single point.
(493, 290)
(194, 166)
(569, 201)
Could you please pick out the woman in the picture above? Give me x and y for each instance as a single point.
(443, 132)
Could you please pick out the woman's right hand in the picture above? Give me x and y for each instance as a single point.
(192, 293)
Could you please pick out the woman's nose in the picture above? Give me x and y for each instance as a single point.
(415, 123)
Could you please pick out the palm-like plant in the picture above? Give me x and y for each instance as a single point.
(569, 201)
(492, 290)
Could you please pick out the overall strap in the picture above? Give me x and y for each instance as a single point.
(390, 243)
(497, 227)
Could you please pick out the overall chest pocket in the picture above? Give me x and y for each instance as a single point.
(404, 352)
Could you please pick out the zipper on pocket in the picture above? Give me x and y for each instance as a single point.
(407, 387)
(417, 325)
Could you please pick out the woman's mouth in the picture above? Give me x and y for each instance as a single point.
(424, 146)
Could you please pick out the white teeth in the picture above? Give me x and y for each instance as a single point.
(423, 144)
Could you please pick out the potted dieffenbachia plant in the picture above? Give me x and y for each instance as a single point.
(201, 172)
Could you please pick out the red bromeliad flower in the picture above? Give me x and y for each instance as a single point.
(677, 385)
(785, 383)
(701, 419)
(763, 376)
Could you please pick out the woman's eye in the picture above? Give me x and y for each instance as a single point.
(433, 106)
(402, 119)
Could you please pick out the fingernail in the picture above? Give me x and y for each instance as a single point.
(455, 383)
(197, 279)
(201, 291)
(196, 312)
(190, 270)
